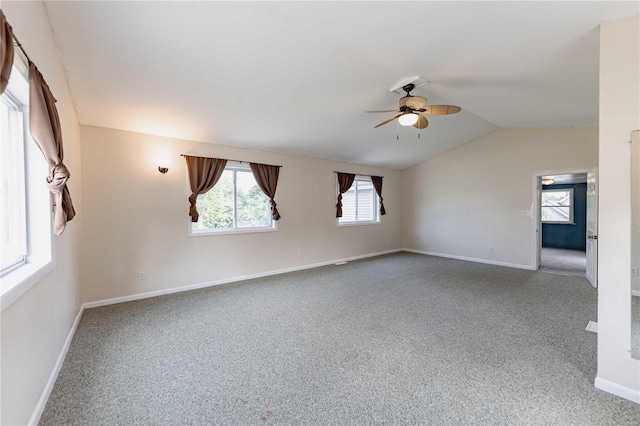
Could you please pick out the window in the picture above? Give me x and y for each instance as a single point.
(557, 206)
(13, 239)
(235, 204)
(360, 203)
(26, 251)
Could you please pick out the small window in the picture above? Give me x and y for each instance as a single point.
(557, 206)
(360, 203)
(235, 204)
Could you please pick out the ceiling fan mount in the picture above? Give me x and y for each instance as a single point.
(411, 108)
(408, 88)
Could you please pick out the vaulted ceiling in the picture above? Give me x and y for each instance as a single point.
(295, 77)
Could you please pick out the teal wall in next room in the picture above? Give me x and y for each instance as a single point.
(569, 236)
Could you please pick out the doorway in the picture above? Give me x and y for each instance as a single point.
(565, 223)
(563, 261)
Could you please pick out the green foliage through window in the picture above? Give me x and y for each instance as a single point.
(236, 187)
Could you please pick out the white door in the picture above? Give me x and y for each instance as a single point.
(538, 236)
(592, 227)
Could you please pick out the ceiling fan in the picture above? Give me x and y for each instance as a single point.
(411, 109)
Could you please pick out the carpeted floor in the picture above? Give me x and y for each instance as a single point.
(562, 261)
(403, 338)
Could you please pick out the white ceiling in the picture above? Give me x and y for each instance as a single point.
(295, 77)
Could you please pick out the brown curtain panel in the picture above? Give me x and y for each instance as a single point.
(345, 180)
(6, 51)
(267, 178)
(44, 125)
(377, 184)
(204, 173)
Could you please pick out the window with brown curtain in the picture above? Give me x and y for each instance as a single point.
(238, 203)
(345, 180)
(44, 125)
(267, 178)
(360, 203)
(25, 210)
(204, 173)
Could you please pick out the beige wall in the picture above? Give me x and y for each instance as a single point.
(467, 199)
(619, 115)
(136, 218)
(35, 326)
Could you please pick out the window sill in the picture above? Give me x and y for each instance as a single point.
(18, 282)
(340, 225)
(231, 232)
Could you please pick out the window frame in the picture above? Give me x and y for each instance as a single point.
(17, 106)
(38, 207)
(234, 167)
(571, 206)
(376, 204)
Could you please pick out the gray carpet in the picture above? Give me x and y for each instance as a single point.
(562, 261)
(403, 338)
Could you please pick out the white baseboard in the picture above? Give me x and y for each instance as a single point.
(472, 259)
(618, 390)
(635, 293)
(44, 396)
(163, 292)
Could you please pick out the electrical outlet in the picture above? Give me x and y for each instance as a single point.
(299, 253)
(523, 212)
(490, 249)
(634, 272)
(141, 275)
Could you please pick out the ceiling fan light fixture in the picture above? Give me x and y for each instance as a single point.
(411, 108)
(408, 119)
(547, 180)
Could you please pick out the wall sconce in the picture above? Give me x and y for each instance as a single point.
(163, 167)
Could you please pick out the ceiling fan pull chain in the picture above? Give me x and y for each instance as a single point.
(397, 131)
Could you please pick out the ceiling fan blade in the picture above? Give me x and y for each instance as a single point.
(385, 110)
(422, 122)
(387, 121)
(441, 109)
(416, 102)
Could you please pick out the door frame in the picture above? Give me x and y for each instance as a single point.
(593, 280)
(536, 228)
